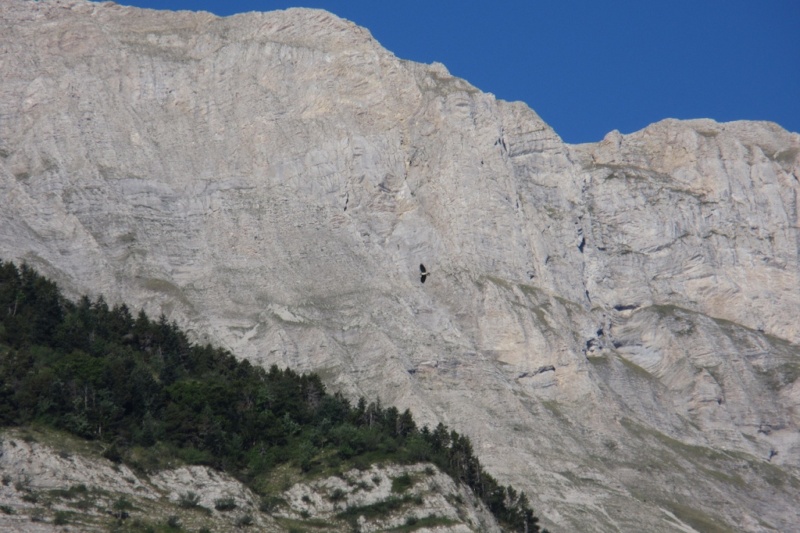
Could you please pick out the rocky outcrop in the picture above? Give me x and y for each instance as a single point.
(51, 481)
(272, 181)
(388, 497)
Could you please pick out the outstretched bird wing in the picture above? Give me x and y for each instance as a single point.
(422, 268)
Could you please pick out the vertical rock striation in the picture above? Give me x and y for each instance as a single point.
(613, 324)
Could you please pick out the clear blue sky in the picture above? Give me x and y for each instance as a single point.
(591, 66)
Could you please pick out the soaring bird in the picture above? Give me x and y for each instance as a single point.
(424, 273)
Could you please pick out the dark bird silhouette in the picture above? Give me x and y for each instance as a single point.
(423, 272)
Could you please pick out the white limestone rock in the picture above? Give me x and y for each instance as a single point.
(40, 480)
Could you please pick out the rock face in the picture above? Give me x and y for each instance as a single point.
(50, 480)
(613, 324)
(46, 475)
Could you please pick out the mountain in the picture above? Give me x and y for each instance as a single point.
(614, 325)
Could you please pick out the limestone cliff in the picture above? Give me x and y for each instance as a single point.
(613, 324)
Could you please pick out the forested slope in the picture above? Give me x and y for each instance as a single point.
(142, 388)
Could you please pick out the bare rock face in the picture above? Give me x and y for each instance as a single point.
(613, 324)
(430, 494)
(50, 481)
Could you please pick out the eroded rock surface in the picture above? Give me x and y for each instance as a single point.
(52, 482)
(613, 324)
